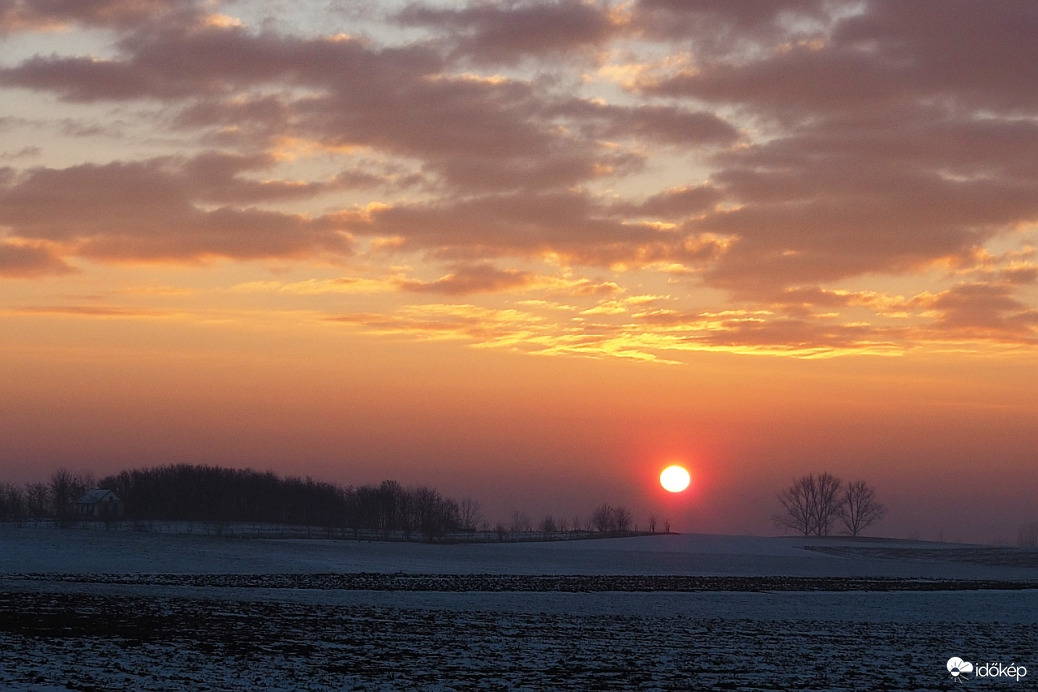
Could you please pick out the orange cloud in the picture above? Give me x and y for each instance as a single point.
(480, 278)
(40, 15)
(103, 311)
(131, 211)
(30, 260)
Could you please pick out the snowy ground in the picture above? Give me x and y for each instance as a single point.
(89, 609)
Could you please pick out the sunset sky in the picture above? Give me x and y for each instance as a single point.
(530, 252)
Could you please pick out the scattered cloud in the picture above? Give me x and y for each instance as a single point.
(485, 33)
(984, 311)
(21, 260)
(46, 15)
(102, 311)
(146, 211)
(479, 278)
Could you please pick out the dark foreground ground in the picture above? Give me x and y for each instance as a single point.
(291, 632)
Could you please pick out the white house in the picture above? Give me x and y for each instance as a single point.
(100, 503)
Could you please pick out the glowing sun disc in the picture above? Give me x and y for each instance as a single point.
(675, 479)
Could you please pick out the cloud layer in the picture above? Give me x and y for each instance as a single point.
(782, 177)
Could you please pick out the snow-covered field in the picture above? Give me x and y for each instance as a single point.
(97, 610)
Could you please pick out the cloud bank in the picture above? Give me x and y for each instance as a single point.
(785, 177)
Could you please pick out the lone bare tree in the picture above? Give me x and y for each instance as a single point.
(859, 508)
(811, 504)
(471, 513)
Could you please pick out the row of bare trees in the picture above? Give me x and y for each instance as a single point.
(186, 492)
(604, 519)
(203, 493)
(609, 519)
(55, 499)
(813, 504)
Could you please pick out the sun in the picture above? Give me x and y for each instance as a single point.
(675, 478)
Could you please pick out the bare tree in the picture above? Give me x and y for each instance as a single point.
(12, 502)
(471, 514)
(621, 519)
(83, 482)
(63, 494)
(431, 513)
(811, 504)
(520, 522)
(827, 502)
(652, 523)
(547, 525)
(796, 507)
(36, 500)
(859, 508)
(602, 518)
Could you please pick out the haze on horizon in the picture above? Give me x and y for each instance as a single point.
(530, 252)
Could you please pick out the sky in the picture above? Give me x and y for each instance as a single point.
(530, 252)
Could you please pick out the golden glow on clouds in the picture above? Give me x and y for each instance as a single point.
(221, 21)
(312, 287)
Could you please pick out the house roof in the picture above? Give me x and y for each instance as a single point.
(95, 496)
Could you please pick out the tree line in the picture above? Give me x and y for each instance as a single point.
(604, 519)
(203, 493)
(813, 504)
(218, 495)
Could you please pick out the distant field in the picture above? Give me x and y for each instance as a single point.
(122, 611)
